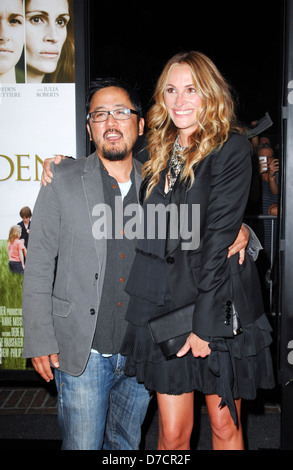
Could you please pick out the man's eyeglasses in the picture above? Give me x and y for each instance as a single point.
(119, 114)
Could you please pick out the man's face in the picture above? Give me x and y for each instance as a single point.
(114, 139)
(266, 153)
(269, 158)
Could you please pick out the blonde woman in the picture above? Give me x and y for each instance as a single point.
(198, 158)
(49, 41)
(16, 250)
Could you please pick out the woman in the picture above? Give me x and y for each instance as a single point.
(197, 157)
(16, 250)
(49, 41)
(11, 40)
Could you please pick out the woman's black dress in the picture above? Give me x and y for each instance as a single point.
(235, 368)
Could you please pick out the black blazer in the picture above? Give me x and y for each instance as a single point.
(24, 235)
(204, 275)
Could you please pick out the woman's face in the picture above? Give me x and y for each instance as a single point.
(46, 32)
(182, 101)
(11, 33)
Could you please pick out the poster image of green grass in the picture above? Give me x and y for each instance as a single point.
(11, 329)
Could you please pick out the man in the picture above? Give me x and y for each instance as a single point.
(269, 171)
(269, 167)
(74, 317)
(74, 308)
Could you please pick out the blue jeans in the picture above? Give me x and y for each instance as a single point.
(16, 267)
(102, 408)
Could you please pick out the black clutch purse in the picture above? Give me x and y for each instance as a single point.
(170, 331)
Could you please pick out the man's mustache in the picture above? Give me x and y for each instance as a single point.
(112, 131)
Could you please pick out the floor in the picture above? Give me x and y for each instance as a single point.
(27, 400)
(28, 420)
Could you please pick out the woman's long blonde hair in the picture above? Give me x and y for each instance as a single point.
(216, 117)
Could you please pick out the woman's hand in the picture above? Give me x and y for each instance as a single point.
(47, 174)
(198, 346)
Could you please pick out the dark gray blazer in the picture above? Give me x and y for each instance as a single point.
(65, 266)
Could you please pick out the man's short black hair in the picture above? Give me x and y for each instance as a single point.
(100, 83)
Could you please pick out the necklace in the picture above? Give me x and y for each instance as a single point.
(176, 163)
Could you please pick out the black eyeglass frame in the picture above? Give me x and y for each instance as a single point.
(130, 111)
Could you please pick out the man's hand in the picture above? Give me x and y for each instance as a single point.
(47, 174)
(273, 209)
(240, 244)
(273, 167)
(43, 367)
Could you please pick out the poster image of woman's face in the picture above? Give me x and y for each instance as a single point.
(11, 38)
(46, 32)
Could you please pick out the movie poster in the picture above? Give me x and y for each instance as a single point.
(37, 120)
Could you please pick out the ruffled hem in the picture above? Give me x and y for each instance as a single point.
(236, 367)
